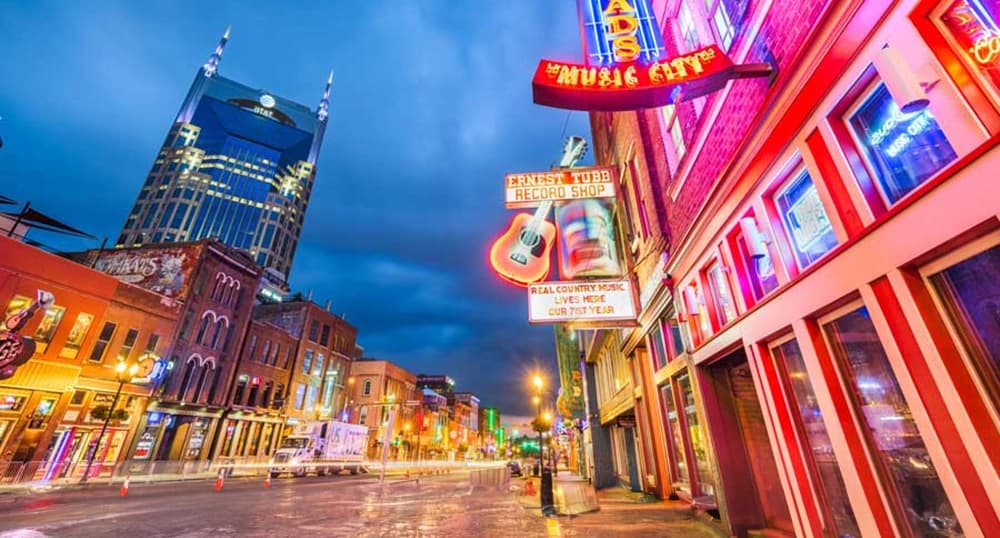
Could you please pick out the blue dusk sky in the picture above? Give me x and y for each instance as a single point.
(431, 106)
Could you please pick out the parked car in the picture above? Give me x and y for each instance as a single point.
(515, 468)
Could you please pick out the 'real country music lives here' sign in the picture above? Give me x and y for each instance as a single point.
(583, 303)
(530, 189)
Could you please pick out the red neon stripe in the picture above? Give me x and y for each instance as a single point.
(856, 445)
(923, 380)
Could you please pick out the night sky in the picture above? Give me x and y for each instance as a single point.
(431, 105)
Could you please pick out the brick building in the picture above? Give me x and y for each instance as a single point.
(216, 286)
(817, 345)
(51, 408)
(379, 386)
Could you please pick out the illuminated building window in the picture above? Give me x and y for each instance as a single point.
(722, 296)
(719, 14)
(675, 436)
(902, 150)
(888, 423)
(672, 126)
(971, 29)
(812, 427)
(300, 396)
(307, 361)
(806, 223)
(687, 28)
(970, 290)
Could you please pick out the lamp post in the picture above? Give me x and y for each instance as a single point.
(537, 399)
(124, 373)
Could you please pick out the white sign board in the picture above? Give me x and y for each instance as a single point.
(532, 188)
(604, 303)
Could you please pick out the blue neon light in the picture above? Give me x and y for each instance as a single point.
(599, 44)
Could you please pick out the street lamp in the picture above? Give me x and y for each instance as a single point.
(124, 373)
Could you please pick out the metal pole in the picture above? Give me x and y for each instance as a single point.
(17, 221)
(104, 428)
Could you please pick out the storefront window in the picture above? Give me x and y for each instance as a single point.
(76, 335)
(47, 327)
(805, 220)
(814, 431)
(659, 354)
(759, 270)
(706, 483)
(681, 480)
(974, 29)
(891, 430)
(300, 395)
(721, 294)
(971, 293)
(903, 150)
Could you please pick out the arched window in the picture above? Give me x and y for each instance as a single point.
(186, 380)
(220, 329)
(207, 371)
(218, 287)
(202, 328)
(367, 388)
(235, 296)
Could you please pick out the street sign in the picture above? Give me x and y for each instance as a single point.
(412, 402)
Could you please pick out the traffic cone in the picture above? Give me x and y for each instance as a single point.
(124, 490)
(529, 488)
(267, 481)
(219, 481)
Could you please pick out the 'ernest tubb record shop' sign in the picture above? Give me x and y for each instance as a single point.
(625, 64)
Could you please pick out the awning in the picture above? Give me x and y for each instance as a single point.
(42, 375)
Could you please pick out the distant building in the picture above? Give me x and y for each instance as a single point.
(441, 384)
(238, 164)
(379, 386)
(321, 361)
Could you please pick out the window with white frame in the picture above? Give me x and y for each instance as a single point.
(687, 28)
(722, 22)
(672, 126)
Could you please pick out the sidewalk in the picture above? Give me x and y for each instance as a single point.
(622, 513)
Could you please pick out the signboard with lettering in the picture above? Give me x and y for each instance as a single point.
(634, 86)
(166, 271)
(594, 303)
(619, 31)
(532, 188)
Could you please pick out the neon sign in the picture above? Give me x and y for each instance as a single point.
(633, 86)
(986, 49)
(918, 123)
(620, 31)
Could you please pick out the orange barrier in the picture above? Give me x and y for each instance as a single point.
(124, 490)
(220, 480)
(529, 488)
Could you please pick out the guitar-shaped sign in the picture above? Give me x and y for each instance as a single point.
(522, 254)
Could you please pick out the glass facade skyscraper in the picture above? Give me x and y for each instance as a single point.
(238, 164)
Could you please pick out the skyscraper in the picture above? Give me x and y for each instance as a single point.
(238, 164)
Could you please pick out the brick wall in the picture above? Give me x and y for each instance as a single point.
(785, 31)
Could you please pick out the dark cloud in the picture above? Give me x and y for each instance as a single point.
(431, 106)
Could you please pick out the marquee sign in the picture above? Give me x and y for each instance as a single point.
(532, 188)
(633, 86)
(594, 303)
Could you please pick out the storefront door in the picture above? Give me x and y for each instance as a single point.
(753, 495)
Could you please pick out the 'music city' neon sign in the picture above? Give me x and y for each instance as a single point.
(632, 86)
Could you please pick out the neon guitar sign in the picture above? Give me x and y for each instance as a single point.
(522, 254)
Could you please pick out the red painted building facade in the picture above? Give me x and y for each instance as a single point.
(819, 346)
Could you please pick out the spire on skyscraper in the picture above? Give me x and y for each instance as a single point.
(212, 65)
(324, 104)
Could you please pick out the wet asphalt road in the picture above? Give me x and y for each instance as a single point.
(358, 507)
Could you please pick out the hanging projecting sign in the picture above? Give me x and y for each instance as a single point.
(635, 86)
(625, 68)
(532, 188)
(594, 303)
